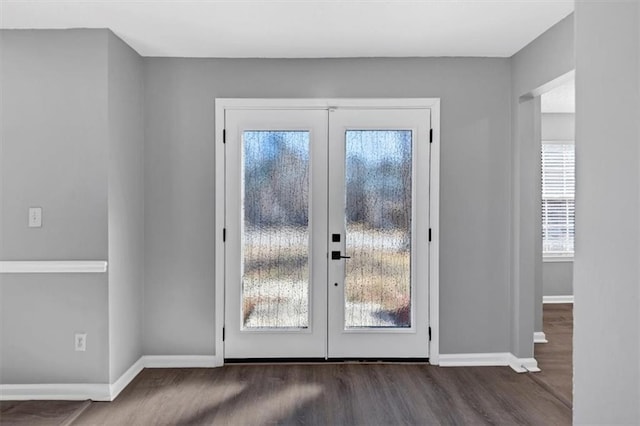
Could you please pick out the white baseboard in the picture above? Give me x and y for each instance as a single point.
(497, 359)
(103, 391)
(539, 337)
(56, 391)
(126, 378)
(558, 299)
(474, 359)
(181, 361)
(523, 365)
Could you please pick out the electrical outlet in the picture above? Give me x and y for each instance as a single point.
(81, 342)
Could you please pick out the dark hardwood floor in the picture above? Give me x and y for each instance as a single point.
(43, 413)
(556, 357)
(333, 394)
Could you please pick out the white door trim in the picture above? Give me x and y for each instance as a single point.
(222, 104)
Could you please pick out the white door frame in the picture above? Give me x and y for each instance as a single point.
(222, 104)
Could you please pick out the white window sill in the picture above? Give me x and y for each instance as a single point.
(552, 259)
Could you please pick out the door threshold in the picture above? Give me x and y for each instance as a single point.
(326, 360)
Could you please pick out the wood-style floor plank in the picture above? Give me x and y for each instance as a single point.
(336, 394)
(36, 413)
(556, 357)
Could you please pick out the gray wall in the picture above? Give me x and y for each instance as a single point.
(54, 144)
(82, 90)
(543, 60)
(558, 126)
(72, 143)
(607, 259)
(126, 206)
(179, 183)
(557, 277)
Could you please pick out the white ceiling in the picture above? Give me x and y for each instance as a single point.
(301, 28)
(560, 99)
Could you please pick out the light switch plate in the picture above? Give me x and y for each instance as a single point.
(80, 344)
(35, 217)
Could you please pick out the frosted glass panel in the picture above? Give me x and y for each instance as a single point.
(275, 239)
(378, 225)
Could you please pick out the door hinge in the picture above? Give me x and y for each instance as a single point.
(224, 234)
(223, 334)
(430, 135)
(224, 135)
(429, 334)
(429, 234)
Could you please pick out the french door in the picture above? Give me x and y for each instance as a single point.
(327, 233)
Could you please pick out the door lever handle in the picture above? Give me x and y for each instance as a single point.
(336, 255)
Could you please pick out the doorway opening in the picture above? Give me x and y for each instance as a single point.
(554, 334)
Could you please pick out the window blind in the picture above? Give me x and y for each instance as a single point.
(558, 198)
